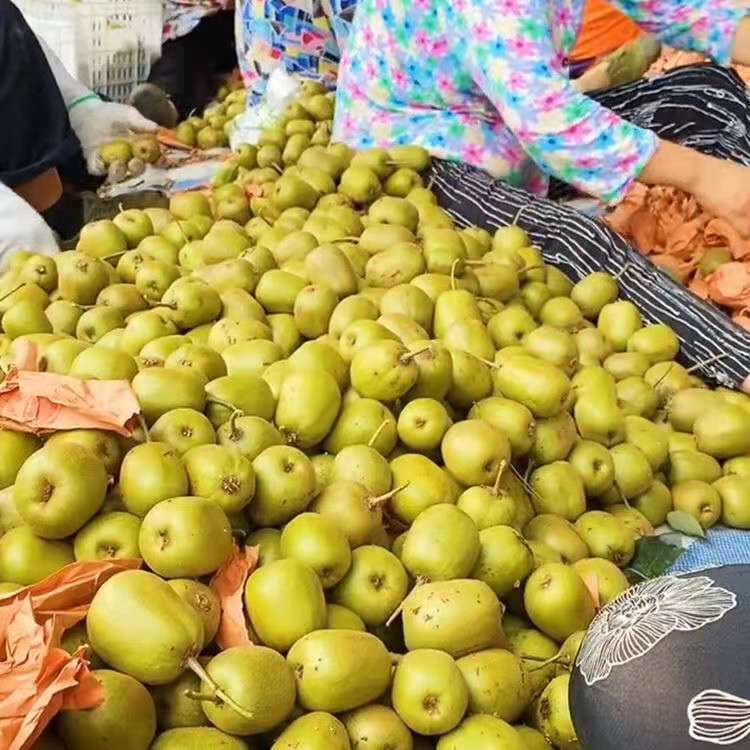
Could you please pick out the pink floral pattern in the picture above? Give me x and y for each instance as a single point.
(486, 82)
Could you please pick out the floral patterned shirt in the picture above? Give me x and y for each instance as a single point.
(486, 82)
(298, 35)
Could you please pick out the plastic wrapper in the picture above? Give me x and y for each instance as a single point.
(281, 91)
(229, 585)
(43, 402)
(37, 677)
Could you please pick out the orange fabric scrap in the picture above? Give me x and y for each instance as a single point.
(37, 677)
(229, 585)
(42, 402)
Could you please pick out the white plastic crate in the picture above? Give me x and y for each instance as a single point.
(108, 45)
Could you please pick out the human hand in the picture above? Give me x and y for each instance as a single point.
(96, 122)
(723, 189)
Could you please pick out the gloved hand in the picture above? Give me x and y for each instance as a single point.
(22, 228)
(95, 122)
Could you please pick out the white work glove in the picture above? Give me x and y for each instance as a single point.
(22, 228)
(95, 122)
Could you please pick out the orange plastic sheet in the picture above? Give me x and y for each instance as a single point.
(229, 585)
(42, 402)
(37, 677)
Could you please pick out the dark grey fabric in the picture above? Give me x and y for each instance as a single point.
(702, 106)
(35, 133)
(684, 683)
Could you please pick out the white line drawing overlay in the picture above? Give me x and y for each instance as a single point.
(719, 718)
(642, 617)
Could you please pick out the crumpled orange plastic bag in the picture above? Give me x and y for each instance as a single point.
(42, 402)
(672, 229)
(229, 585)
(67, 593)
(37, 677)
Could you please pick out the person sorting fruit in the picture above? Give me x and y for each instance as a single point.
(486, 83)
(50, 119)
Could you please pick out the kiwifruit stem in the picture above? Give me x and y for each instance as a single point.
(195, 666)
(377, 433)
(454, 265)
(421, 581)
(375, 502)
(666, 372)
(525, 483)
(493, 365)
(620, 495)
(12, 291)
(500, 471)
(411, 355)
(233, 432)
(556, 659)
(194, 695)
(225, 404)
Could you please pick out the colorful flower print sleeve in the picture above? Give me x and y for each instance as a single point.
(485, 82)
(516, 65)
(299, 35)
(706, 26)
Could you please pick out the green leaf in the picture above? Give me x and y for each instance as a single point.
(652, 559)
(685, 523)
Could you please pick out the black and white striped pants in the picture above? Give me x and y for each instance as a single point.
(705, 107)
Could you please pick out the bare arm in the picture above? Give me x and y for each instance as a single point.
(741, 46)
